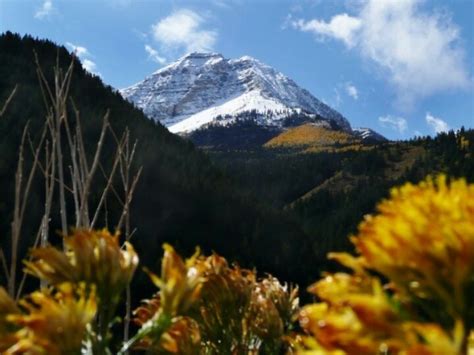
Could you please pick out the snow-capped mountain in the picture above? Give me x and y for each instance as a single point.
(205, 88)
(367, 134)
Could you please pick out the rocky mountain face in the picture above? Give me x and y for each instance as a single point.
(203, 89)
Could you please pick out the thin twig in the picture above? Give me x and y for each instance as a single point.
(4, 263)
(129, 198)
(21, 201)
(85, 194)
(23, 278)
(5, 105)
(45, 89)
(16, 216)
(59, 112)
(109, 184)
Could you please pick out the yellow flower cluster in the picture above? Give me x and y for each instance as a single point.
(54, 323)
(422, 241)
(205, 305)
(8, 307)
(357, 316)
(93, 257)
(163, 328)
(180, 282)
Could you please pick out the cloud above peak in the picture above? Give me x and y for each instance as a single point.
(80, 51)
(351, 90)
(398, 124)
(342, 27)
(419, 52)
(437, 124)
(84, 56)
(45, 11)
(154, 55)
(184, 30)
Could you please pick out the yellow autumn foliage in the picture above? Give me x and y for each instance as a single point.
(315, 138)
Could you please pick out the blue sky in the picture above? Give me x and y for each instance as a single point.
(401, 67)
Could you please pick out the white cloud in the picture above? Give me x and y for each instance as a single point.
(89, 65)
(45, 11)
(352, 91)
(183, 30)
(398, 124)
(154, 55)
(342, 27)
(436, 123)
(420, 52)
(78, 50)
(84, 55)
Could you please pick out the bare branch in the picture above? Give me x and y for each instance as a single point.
(5, 105)
(21, 201)
(23, 278)
(15, 225)
(4, 264)
(129, 199)
(85, 193)
(43, 83)
(112, 188)
(109, 183)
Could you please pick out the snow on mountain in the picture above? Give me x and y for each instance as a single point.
(193, 91)
(368, 134)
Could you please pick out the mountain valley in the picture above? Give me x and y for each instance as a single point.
(267, 191)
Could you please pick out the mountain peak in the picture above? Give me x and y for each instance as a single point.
(368, 134)
(200, 55)
(202, 88)
(192, 59)
(247, 58)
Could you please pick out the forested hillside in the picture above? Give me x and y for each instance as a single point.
(328, 192)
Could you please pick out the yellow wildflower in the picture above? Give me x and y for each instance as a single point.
(7, 329)
(357, 315)
(238, 313)
(422, 239)
(180, 282)
(7, 307)
(55, 323)
(181, 337)
(284, 298)
(147, 310)
(225, 307)
(93, 257)
(180, 285)
(431, 339)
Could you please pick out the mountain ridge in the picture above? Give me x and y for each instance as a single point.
(193, 91)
